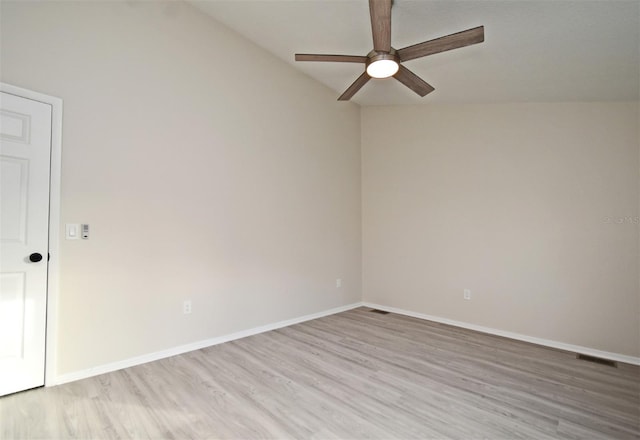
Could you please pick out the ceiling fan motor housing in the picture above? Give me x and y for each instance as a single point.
(374, 56)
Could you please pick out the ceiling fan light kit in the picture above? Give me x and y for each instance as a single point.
(385, 62)
(383, 65)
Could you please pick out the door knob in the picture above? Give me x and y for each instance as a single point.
(35, 257)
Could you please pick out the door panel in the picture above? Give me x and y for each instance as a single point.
(12, 298)
(25, 149)
(13, 217)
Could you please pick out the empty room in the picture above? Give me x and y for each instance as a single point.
(328, 219)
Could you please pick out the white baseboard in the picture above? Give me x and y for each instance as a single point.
(131, 362)
(492, 331)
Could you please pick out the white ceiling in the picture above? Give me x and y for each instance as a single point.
(556, 50)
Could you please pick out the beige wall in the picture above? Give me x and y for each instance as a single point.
(519, 203)
(207, 169)
(235, 183)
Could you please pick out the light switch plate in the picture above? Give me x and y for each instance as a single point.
(72, 231)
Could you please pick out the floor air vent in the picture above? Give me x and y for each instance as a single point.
(597, 360)
(379, 312)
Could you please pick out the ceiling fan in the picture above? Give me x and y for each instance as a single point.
(384, 61)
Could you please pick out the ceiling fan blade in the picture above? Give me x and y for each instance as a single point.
(380, 11)
(334, 58)
(442, 44)
(353, 88)
(413, 81)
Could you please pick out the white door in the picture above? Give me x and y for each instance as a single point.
(25, 156)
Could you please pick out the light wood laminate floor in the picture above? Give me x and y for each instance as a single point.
(352, 375)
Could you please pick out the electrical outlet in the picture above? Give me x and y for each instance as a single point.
(466, 294)
(338, 282)
(186, 307)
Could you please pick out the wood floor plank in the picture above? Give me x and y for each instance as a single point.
(436, 387)
(518, 379)
(356, 374)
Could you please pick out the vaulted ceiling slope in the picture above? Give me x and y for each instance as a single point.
(552, 50)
